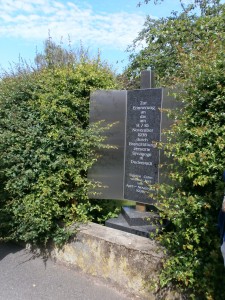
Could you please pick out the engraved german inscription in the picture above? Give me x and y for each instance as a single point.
(142, 132)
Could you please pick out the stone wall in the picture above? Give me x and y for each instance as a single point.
(128, 261)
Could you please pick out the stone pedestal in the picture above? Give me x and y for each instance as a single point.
(136, 222)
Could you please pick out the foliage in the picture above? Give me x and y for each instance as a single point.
(193, 200)
(161, 39)
(106, 209)
(47, 145)
(109, 208)
(187, 51)
(54, 55)
(187, 5)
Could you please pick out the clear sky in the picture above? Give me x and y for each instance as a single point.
(105, 25)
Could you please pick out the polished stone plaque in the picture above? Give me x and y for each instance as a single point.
(129, 170)
(143, 128)
(109, 107)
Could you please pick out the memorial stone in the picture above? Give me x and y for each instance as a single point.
(109, 107)
(128, 171)
(142, 131)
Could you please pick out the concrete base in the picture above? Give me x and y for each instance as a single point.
(121, 223)
(128, 261)
(135, 222)
(139, 218)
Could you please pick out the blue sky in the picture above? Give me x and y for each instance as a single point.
(104, 25)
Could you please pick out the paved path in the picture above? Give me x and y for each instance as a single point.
(23, 277)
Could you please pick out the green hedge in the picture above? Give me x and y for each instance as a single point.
(186, 49)
(193, 200)
(47, 147)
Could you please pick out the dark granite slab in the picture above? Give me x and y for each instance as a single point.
(143, 129)
(120, 223)
(137, 218)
